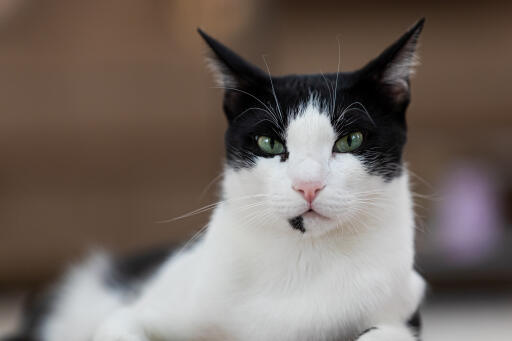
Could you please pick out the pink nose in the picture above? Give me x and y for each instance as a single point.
(309, 190)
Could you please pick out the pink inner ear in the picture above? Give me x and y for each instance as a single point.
(396, 76)
(398, 90)
(399, 61)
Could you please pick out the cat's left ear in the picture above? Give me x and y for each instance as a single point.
(393, 67)
(230, 70)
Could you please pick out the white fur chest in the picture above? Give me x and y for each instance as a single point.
(305, 289)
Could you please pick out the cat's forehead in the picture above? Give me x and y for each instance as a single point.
(324, 94)
(300, 91)
(310, 128)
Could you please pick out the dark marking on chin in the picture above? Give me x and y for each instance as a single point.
(298, 223)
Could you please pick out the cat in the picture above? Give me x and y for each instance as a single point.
(314, 238)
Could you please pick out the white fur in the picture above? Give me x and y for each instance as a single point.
(221, 76)
(253, 277)
(388, 332)
(83, 302)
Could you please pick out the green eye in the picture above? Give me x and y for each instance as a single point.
(270, 145)
(349, 143)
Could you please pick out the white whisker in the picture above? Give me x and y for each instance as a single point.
(273, 90)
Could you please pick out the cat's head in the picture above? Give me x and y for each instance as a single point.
(314, 153)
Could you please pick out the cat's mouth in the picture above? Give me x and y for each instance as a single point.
(311, 213)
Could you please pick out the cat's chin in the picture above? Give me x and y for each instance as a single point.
(316, 224)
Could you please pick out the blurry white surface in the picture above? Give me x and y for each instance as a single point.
(475, 320)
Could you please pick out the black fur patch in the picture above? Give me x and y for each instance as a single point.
(36, 309)
(298, 223)
(128, 272)
(256, 104)
(125, 275)
(19, 338)
(414, 323)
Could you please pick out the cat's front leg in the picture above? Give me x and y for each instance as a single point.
(122, 325)
(137, 323)
(388, 333)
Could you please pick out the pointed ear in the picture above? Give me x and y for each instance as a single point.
(229, 69)
(393, 68)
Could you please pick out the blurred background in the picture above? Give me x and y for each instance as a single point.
(109, 122)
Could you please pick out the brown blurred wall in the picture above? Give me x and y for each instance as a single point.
(109, 120)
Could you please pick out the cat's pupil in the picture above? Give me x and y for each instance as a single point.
(349, 140)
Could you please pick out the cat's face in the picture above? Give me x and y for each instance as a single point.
(314, 153)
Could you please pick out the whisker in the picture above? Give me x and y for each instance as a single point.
(337, 72)
(330, 90)
(246, 93)
(209, 185)
(210, 207)
(350, 107)
(255, 108)
(196, 236)
(273, 89)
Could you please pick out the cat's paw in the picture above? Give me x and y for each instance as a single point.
(387, 333)
(118, 335)
(120, 327)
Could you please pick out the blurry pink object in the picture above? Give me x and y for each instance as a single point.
(468, 222)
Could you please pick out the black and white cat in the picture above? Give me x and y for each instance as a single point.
(314, 238)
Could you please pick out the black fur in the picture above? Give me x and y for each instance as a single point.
(414, 324)
(19, 338)
(124, 275)
(37, 307)
(128, 272)
(250, 94)
(298, 224)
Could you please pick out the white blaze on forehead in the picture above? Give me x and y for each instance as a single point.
(309, 140)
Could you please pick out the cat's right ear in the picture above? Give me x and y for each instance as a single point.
(229, 69)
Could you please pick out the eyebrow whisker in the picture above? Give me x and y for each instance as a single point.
(337, 73)
(273, 90)
(352, 107)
